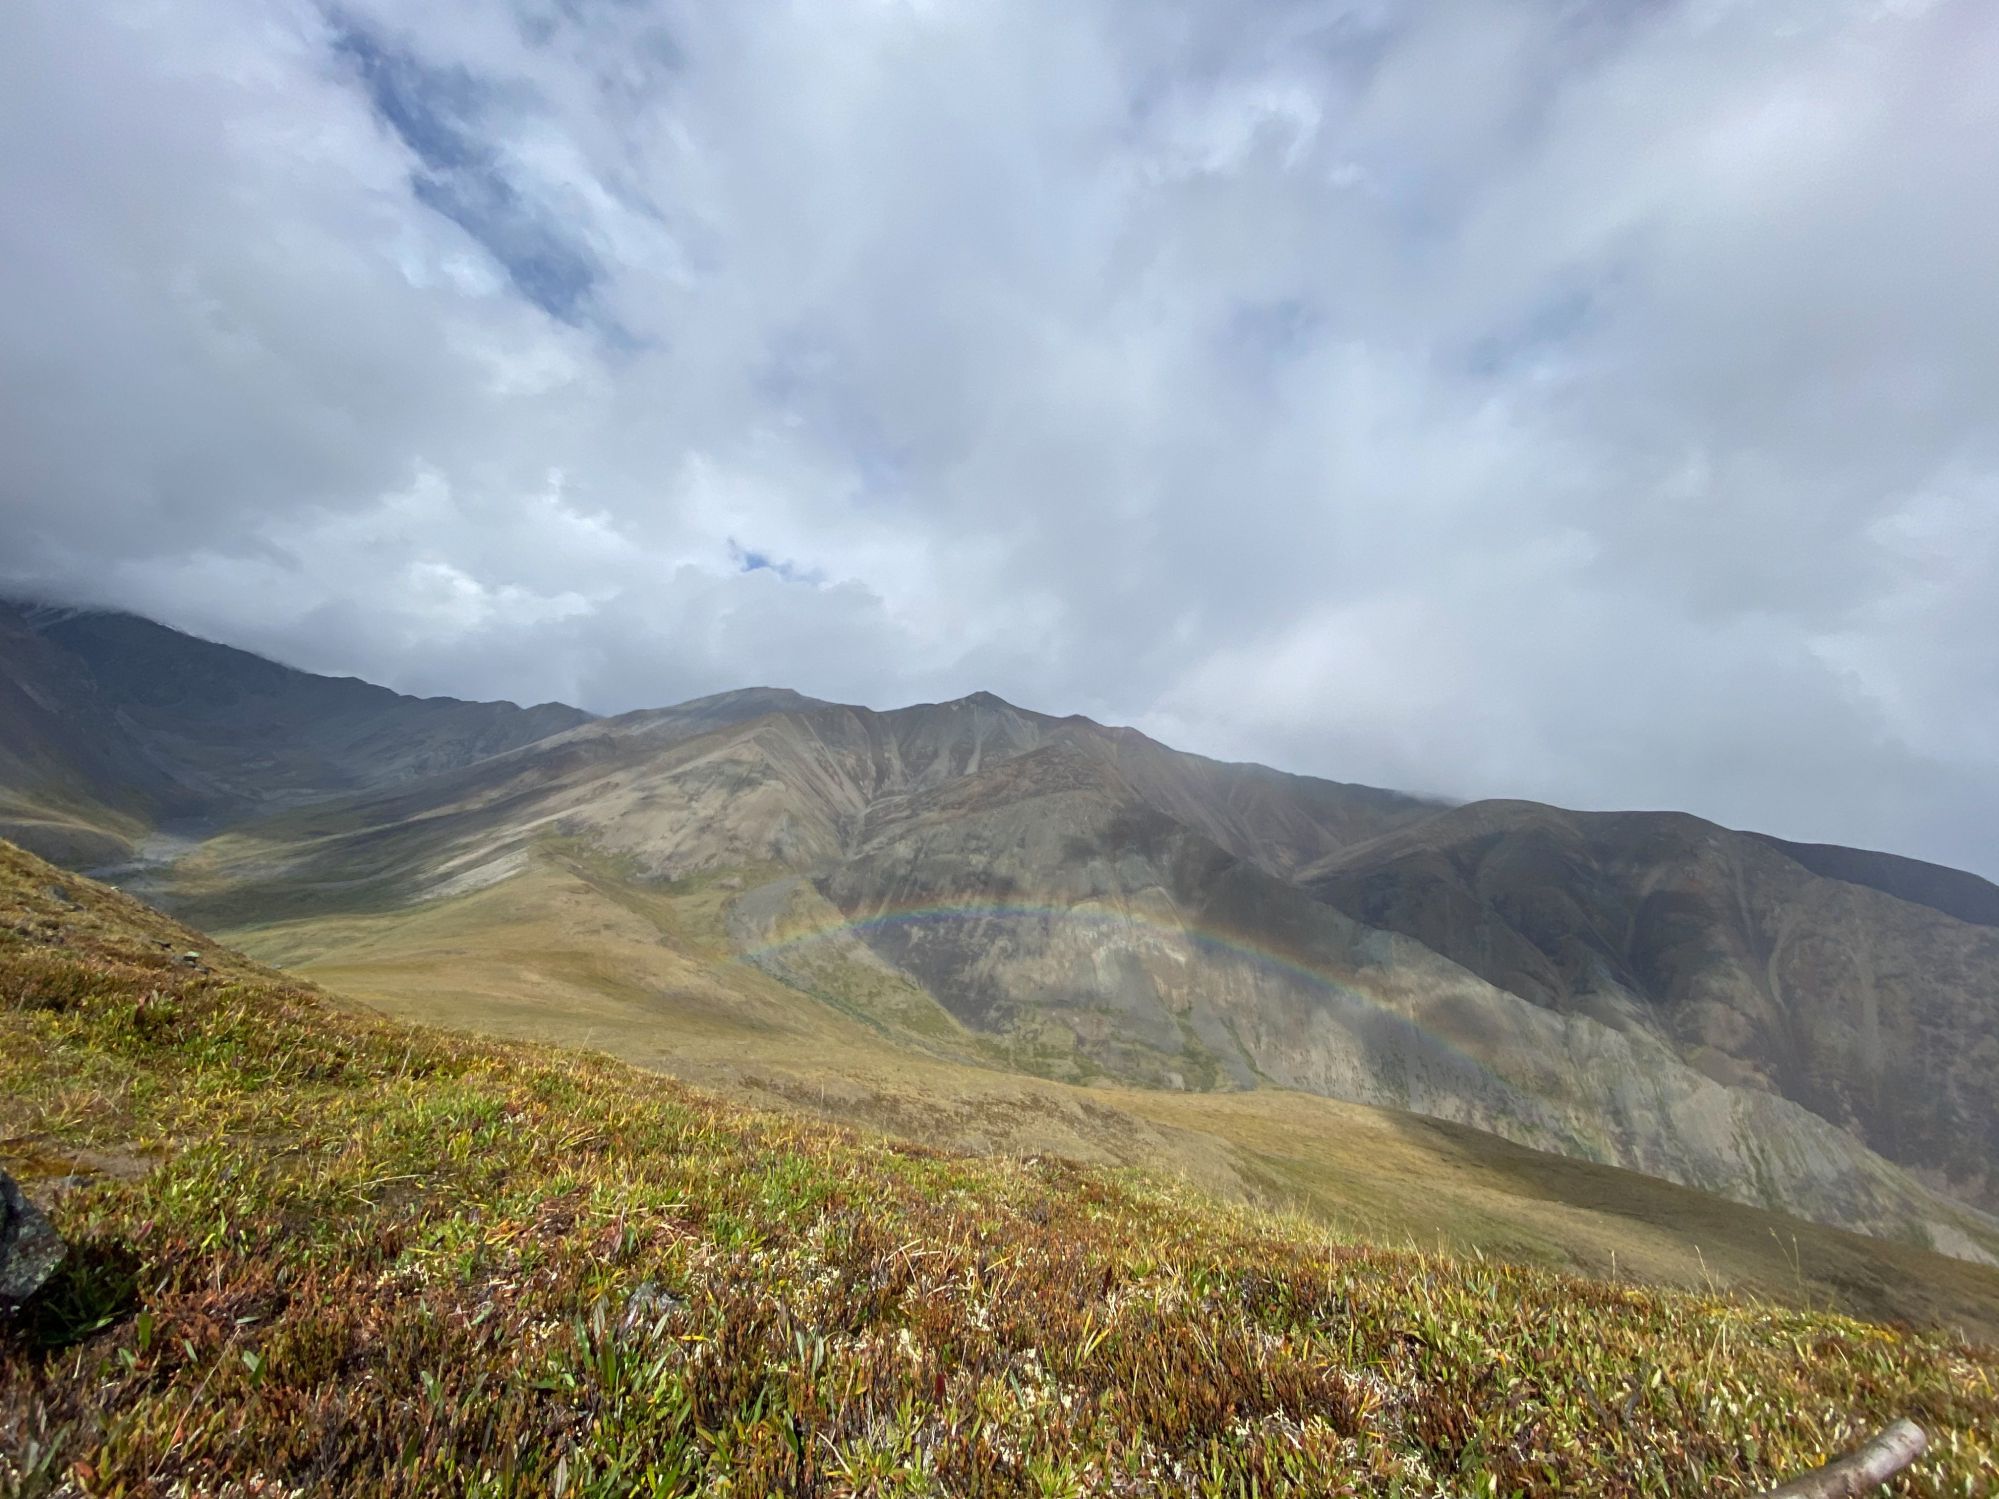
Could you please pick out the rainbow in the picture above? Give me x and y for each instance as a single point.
(1209, 939)
(1213, 940)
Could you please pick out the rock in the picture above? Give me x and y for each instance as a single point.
(30, 1247)
(647, 1305)
(729, 882)
(189, 960)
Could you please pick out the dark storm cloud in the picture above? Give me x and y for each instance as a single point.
(1590, 403)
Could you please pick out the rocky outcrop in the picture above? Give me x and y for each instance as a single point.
(30, 1248)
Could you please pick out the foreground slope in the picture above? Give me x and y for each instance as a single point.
(318, 1253)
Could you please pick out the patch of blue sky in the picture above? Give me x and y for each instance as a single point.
(1541, 332)
(750, 560)
(443, 115)
(1276, 330)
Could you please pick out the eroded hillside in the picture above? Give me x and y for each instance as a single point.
(1838, 986)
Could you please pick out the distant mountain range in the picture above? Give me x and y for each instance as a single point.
(1798, 1026)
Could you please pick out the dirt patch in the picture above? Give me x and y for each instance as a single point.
(32, 1158)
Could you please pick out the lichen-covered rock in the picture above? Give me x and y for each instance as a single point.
(30, 1247)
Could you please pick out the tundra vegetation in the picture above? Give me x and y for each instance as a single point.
(314, 1251)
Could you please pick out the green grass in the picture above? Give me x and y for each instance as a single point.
(316, 1252)
(569, 951)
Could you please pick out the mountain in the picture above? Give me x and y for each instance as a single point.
(1951, 891)
(114, 725)
(73, 784)
(1861, 986)
(776, 783)
(991, 888)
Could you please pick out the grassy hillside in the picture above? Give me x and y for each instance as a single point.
(566, 951)
(321, 1252)
(1047, 915)
(1804, 1030)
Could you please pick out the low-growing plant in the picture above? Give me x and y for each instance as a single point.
(373, 1259)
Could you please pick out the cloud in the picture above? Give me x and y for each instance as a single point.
(1583, 403)
(440, 113)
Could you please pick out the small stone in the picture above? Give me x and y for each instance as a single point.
(646, 1305)
(189, 960)
(30, 1247)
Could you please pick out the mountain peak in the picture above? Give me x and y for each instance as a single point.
(766, 699)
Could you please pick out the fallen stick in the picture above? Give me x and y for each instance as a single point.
(1862, 1469)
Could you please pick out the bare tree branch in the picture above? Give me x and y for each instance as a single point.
(1862, 1469)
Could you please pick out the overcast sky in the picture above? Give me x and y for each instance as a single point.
(1591, 402)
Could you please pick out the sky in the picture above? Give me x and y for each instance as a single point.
(1593, 403)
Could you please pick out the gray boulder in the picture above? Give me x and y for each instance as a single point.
(30, 1247)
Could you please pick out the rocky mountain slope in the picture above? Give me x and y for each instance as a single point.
(1083, 903)
(1859, 992)
(111, 725)
(765, 777)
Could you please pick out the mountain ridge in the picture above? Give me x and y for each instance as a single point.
(1101, 905)
(154, 725)
(1758, 969)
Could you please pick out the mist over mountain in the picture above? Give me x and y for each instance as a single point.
(1590, 404)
